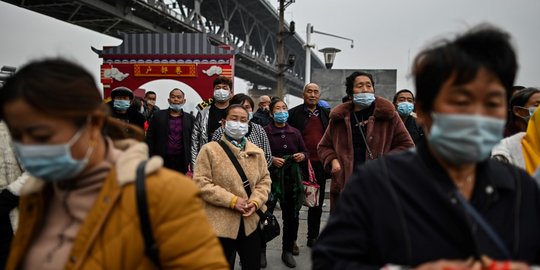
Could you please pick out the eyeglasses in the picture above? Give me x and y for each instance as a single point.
(531, 109)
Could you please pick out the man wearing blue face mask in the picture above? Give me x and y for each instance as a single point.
(169, 133)
(121, 108)
(209, 119)
(362, 129)
(404, 102)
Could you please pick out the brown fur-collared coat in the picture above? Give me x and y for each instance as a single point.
(385, 133)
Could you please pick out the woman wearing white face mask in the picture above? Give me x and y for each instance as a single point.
(360, 130)
(522, 105)
(446, 204)
(231, 210)
(522, 149)
(256, 133)
(79, 206)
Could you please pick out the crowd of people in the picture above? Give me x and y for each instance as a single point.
(442, 177)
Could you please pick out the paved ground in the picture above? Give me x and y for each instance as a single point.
(273, 250)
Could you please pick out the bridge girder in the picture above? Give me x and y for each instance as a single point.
(249, 26)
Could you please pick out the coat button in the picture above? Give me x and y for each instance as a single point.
(30, 208)
(283, 136)
(106, 199)
(489, 189)
(285, 146)
(73, 259)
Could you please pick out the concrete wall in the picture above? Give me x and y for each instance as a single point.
(332, 82)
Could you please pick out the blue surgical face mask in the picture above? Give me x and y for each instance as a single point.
(405, 108)
(175, 107)
(121, 105)
(464, 139)
(363, 100)
(236, 130)
(281, 116)
(52, 162)
(221, 95)
(250, 115)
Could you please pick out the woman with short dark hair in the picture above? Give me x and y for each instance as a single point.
(288, 150)
(362, 129)
(522, 105)
(255, 134)
(446, 204)
(230, 207)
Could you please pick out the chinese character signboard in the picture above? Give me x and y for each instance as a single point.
(142, 58)
(165, 70)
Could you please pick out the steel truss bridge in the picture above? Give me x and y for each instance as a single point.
(250, 26)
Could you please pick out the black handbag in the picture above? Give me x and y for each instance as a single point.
(268, 223)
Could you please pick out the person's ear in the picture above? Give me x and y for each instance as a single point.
(423, 118)
(97, 122)
(519, 111)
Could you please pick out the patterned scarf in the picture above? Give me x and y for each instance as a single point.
(292, 171)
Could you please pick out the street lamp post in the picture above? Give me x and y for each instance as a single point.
(329, 56)
(280, 54)
(5, 73)
(307, 75)
(309, 31)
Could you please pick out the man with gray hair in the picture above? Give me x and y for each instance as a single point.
(312, 120)
(262, 115)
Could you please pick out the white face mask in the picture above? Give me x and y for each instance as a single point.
(236, 130)
(221, 95)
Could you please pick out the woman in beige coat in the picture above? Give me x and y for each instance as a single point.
(229, 209)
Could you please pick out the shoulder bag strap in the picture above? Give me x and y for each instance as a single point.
(403, 221)
(370, 154)
(236, 164)
(245, 181)
(483, 224)
(150, 247)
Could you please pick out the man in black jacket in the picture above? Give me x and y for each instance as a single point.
(312, 119)
(169, 133)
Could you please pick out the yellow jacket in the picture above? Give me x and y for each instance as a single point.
(220, 183)
(110, 237)
(531, 144)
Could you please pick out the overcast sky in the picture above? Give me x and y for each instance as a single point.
(386, 33)
(389, 33)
